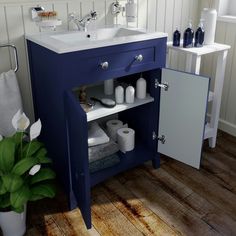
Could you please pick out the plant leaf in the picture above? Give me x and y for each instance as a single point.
(20, 197)
(18, 137)
(35, 197)
(44, 190)
(24, 165)
(44, 160)
(43, 174)
(12, 182)
(31, 148)
(5, 201)
(3, 190)
(7, 155)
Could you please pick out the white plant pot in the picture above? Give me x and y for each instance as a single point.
(12, 223)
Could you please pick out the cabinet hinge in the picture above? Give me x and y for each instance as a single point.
(162, 139)
(154, 136)
(164, 85)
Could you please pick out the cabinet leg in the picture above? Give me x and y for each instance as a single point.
(87, 219)
(156, 161)
(212, 142)
(72, 201)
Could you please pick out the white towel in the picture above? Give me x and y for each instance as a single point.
(96, 135)
(10, 101)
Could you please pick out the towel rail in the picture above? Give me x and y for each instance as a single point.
(15, 54)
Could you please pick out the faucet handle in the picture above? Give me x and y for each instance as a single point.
(94, 15)
(71, 16)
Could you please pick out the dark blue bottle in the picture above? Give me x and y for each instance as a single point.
(199, 36)
(176, 38)
(188, 37)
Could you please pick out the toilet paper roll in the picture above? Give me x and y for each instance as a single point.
(126, 139)
(112, 127)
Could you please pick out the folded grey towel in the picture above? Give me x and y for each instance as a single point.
(104, 163)
(100, 151)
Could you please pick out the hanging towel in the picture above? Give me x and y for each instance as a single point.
(10, 101)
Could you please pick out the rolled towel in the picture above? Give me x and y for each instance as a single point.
(100, 151)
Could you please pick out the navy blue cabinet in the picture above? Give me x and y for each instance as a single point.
(179, 100)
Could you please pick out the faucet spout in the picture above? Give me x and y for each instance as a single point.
(84, 22)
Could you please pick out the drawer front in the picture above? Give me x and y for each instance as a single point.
(123, 61)
(92, 66)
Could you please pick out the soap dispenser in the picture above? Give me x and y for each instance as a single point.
(176, 38)
(131, 11)
(188, 36)
(199, 35)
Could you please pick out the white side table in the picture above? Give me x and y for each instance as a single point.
(193, 64)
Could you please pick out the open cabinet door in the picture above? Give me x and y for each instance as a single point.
(77, 140)
(182, 117)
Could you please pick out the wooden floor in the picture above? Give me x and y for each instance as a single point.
(173, 200)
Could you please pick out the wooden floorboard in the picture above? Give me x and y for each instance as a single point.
(173, 200)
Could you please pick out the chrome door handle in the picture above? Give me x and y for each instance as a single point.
(104, 65)
(139, 58)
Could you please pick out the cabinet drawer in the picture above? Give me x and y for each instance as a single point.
(128, 61)
(84, 67)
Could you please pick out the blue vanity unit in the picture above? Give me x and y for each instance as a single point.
(169, 121)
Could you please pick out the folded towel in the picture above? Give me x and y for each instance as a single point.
(100, 151)
(96, 135)
(104, 163)
(10, 101)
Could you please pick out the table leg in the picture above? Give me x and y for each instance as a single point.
(188, 65)
(196, 64)
(219, 82)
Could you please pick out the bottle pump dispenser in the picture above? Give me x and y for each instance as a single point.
(131, 11)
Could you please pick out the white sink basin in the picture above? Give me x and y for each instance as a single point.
(71, 41)
(100, 34)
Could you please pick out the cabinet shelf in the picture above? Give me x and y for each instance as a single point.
(99, 111)
(128, 160)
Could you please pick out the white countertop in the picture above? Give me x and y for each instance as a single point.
(50, 41)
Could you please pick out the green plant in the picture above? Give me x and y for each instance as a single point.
(24, 172)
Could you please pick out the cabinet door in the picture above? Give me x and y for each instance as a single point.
(77, 139)
(182, 116)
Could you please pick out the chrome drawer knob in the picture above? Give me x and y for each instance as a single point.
(139, 58)
(104, 65)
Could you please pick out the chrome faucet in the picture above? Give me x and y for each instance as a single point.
(84, 22)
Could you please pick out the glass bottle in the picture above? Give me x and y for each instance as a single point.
(199, 35)
(176, 38)
(188, 36)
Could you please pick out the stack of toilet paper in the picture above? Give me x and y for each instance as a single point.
(124, 136)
